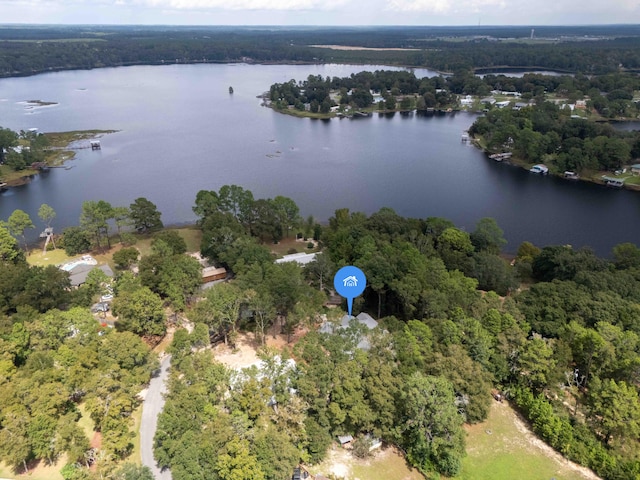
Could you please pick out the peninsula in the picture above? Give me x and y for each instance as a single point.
(24, 154)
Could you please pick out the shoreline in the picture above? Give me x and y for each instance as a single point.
(590, 177)
(57, 154)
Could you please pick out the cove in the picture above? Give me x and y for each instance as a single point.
(180, 131)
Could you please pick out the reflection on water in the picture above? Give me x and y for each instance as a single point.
(180, 131)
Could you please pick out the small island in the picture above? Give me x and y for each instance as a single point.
(40, 103)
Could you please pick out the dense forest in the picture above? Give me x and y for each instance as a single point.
(562, 342)
(26, 50)
(608, 96)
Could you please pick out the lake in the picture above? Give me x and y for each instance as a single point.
(180, 131)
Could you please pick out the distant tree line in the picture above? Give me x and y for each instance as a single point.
(611, 95)
(32, 50)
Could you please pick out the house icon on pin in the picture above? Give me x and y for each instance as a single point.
(350, 281)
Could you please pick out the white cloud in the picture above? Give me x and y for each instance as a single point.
(235, 5)
(513, 11)
(441, 7)
(322, 12)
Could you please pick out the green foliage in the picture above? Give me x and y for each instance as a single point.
(9, 251)
(145, 215)
(93, 219)
(432, 428)
(488, 236)
(17, 223)
(75, 241)
(172, 239)
(140, 311)
(131, 471)
(125, 257)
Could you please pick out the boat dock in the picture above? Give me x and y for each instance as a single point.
(498, 157)
(613, 182)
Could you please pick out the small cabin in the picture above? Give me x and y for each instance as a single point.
(211, 274)
(345, 440)
(635, 169)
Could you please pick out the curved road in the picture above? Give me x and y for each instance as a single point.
(151, 408)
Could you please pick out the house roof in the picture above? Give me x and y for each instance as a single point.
(78, 275)
(301, 258)
(363, 319)
(636, 166)
(208, 271)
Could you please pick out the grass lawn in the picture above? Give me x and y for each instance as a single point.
(192, 236)
(502, 449)
(37, 471)
(286, 244)
(85, 422)
(52, 257)
(135, 429)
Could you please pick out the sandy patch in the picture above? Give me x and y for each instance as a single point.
(351, 47)
(245, 353)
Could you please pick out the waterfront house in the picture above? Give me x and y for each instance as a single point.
(79, 273)
(635, 169)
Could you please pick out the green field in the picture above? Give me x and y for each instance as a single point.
(502, 449)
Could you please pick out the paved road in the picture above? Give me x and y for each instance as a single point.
(151, 408)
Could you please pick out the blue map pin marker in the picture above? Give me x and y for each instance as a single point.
(350, 282)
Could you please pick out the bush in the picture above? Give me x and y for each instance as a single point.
(292, 251)
(128, 239)
(310, 245)
(360, 447)
(75, 241)
(125, 257)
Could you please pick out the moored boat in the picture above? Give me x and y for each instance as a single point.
(540, 169)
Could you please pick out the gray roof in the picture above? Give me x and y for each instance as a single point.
(367, 320)
(300, 258)
(362, 319)
(79, 274)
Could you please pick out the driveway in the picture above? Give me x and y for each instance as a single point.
(151, 408)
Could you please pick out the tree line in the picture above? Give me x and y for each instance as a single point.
(565, 348)
(546, 133)
(441, 347)
(32, 50)
(611, 95)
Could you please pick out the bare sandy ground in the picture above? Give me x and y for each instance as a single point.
(245, 353)
(347, 47)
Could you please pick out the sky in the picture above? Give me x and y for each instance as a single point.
(321, 12)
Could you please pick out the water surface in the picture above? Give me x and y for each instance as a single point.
(181, 131)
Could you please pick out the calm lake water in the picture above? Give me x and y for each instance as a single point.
(180, 131)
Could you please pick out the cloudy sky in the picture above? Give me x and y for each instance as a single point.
(322, 12)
